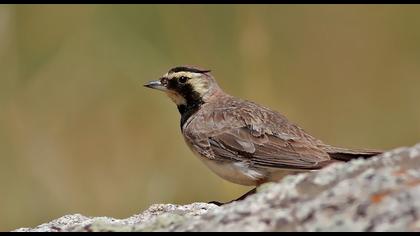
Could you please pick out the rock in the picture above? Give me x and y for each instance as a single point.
(158, 216)
(378, 194)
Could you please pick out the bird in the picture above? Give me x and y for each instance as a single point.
(239, 140)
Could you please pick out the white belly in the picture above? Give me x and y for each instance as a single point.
(237, 173)
(240, 173)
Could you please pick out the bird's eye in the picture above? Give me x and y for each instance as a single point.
(183, 79)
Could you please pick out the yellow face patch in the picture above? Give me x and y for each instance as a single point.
(195, 87)
(176, 98)
(199, 84)
(182, 73)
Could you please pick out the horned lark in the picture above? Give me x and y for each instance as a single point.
(239, 140)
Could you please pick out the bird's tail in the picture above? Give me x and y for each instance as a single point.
(345, 154)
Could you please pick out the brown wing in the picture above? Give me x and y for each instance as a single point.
(244, 131)
(266, 150)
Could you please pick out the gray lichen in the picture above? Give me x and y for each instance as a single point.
(378, 194)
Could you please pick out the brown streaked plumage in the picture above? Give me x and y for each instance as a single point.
(239, 140)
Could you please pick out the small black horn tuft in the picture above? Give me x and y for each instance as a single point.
(188, 69)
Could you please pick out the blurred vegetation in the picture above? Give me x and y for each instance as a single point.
(79, 133)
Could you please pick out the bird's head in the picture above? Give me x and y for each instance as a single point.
(186, 85)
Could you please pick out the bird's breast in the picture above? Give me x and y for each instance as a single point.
(234, 171)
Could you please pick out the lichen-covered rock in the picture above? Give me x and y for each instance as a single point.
(158, 216)
(378, 194)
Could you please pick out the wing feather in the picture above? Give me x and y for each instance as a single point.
(247, 132)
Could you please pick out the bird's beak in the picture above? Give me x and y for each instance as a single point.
(155, 84)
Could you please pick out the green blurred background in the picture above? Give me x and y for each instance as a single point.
(79, 133)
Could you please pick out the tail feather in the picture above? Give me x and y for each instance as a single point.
(344, 154)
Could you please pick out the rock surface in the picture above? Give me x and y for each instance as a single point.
(378, 194)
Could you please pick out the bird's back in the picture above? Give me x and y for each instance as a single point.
(229, 127)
